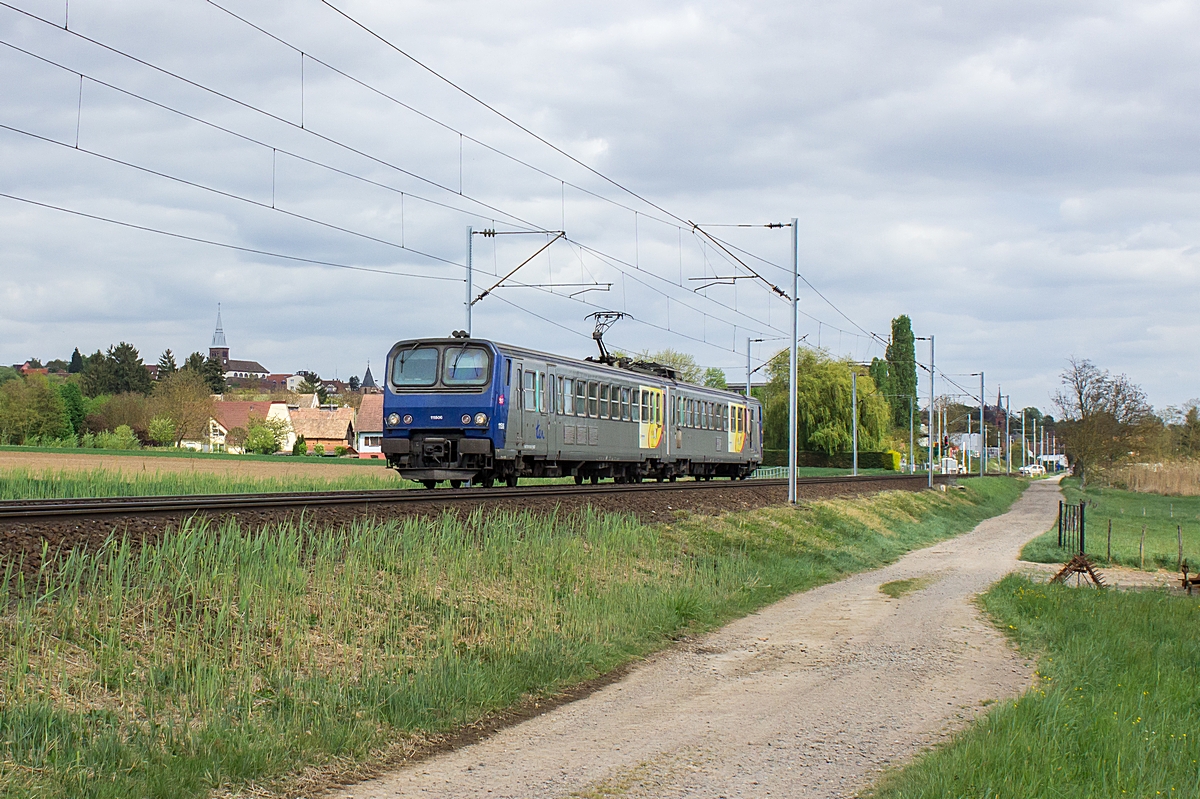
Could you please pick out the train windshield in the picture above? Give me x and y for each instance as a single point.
(466, 366)
(415, 367)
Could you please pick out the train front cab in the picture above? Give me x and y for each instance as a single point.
(444, 410)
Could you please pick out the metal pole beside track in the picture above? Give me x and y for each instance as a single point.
(792, 362)
(470, 278)
(854, 418)
(982, 431)
(931, 411)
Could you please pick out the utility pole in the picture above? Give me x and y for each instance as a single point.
(792, 362)
(1024, 442)
(1007, 439)
(912, 453)
(982, 431)
(470, 277)
(854, 417)
(748, 340)
(932, 413)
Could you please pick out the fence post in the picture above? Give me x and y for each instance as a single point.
(1110, 540)
(1142, 548)
(1179, 537)
(1060, 523)
(1082, 528)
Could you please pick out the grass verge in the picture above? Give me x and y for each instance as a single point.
(1113, 712)
(1163, 518)
(221, 659)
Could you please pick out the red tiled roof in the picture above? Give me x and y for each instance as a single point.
(370, 414)
(317, 423)
(237, 414)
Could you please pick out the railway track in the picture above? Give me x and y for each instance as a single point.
(44, 510)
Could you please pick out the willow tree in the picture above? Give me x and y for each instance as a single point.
(824, 411)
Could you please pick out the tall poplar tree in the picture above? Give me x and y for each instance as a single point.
(902, 370)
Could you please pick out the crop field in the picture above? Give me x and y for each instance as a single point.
(230, 659)
(1163, 517)
(1113, 712)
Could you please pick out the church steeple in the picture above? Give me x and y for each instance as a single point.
(219, 349)
(368, 380)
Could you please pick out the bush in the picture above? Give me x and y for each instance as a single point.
(162, 430)
(838, 460)
(319, 449)
(300, 447)
(121, 438)
(340, 451)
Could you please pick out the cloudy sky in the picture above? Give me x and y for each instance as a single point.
(1018, 177)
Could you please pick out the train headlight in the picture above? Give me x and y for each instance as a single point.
(466, 419)
(394, 419)
(481, 419)
(408, 418)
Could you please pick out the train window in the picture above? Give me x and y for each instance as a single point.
(541, 392)
(604, 402)
(635, 403)
(657, 408)
(593, 402)
(625, 404)
(615, 407)
(508, 371)
(415, 367)
(580, 398)
(708, 425)
(530, 391)
(645, 405)
(466, 366)
(566, 395)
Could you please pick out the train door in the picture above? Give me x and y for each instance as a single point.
(551, 424)
(737, 428)
(536, 421)
(650, 428)
(516, 410)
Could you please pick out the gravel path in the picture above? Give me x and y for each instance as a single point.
(809, 698)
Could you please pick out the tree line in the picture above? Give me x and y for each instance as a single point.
(108, 399)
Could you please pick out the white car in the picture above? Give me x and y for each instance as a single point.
(1033, 470)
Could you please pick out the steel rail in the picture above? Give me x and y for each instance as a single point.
(197, 503)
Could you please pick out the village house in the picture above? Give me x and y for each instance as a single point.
(329, 428)
(230, 416)
(368, 427)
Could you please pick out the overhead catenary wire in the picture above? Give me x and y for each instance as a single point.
(224, 245)
(516, 221)
(309, 131)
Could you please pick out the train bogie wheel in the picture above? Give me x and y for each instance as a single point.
(429, 483)
(511, 481)
(595, 479)
(672, 478)
(578, 479)
(488, 481)
(456, 483)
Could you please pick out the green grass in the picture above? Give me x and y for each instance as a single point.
(1113, 712)
(218, 659)
(1128, 511)
(898, 588)
(29, 484)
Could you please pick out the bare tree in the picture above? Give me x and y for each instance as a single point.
(1105, 418)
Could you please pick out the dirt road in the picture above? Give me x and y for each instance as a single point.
(808, 698)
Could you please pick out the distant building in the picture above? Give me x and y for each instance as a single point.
(329, 428)
(229, 416)
(368, 382)
(234, 369)
(368, 426)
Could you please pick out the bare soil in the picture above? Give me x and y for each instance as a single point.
(73, 461)
(811, 697)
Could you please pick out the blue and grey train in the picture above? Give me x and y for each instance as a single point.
(470, 410)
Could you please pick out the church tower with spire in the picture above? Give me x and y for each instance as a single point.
(219, 348)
